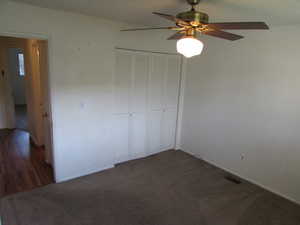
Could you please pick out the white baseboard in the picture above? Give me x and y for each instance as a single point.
(86, 173)
(242, 177)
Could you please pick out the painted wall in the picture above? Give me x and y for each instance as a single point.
(17, 81)
(81, 61)
(242, 107)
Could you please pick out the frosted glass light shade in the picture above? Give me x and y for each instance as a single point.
(189, 46)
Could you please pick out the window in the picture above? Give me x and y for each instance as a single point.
(21, 64)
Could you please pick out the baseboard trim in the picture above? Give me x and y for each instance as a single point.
(242, 177)
(90, 172)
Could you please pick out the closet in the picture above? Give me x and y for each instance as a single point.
(146, 93)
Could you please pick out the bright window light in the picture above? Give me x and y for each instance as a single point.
(21, 64)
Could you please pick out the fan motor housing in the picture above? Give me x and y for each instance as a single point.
(191, 16)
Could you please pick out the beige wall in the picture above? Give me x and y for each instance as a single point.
(242, 107)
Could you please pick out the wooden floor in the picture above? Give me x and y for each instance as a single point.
(22, 167)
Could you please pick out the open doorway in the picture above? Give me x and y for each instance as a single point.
(25, 115)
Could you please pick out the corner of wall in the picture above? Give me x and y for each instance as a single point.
(178, 143)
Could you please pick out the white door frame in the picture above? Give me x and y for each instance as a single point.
(50, 66)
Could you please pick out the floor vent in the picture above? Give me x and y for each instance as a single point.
(233, 179)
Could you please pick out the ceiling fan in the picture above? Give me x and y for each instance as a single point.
(189, 23)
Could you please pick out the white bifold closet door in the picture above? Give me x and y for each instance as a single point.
(164, 79)
(146, 88)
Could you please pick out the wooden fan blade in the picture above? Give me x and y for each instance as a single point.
(177, 36)
(171, 18)
(239, 26)
(150, 28)
(223, 34)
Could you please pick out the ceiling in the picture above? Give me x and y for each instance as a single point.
(274, 12)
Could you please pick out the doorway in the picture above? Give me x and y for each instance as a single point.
(25, 115)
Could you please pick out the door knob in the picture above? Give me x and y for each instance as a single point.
(45, 115)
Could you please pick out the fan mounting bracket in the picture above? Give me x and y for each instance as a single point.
(193, 2)
(194, 17)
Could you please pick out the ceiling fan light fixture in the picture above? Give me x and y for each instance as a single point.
(189, 46)
(188, 24)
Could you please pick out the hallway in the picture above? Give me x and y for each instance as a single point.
(22, 166)
(21, 117)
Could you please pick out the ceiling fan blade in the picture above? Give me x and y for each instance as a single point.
(177, 36)
(239, 26)
(223, 34)
(150, 28)
(171, 18)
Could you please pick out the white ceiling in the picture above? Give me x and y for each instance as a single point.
(274, 12)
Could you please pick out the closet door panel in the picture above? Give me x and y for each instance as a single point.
(172, 81)
(154, 134)
(156, 81)
(140, 79)
(168, 129)
(121, 137)
(122, 82)
(137, 135)
(146, 90)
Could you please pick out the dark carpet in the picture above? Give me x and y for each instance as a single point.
(170, 188)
